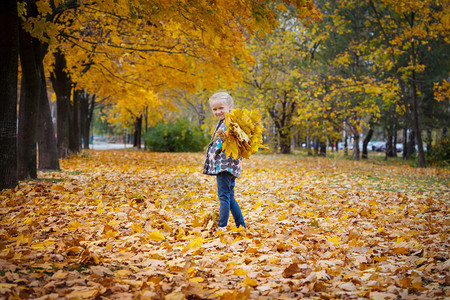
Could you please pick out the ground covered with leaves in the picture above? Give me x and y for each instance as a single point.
(131, 224)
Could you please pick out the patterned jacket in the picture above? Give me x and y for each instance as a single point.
(216, 160)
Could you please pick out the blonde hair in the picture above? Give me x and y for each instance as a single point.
(222, 96)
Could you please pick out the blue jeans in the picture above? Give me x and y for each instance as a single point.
(225, 190)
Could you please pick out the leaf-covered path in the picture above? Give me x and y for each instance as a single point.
(128, 224)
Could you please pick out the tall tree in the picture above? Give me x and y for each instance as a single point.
(30, 53)
(87, 104)
(62, 86)
(9, 53)
(48, 150)
(275, 81)
(350, 93)
(406, 31)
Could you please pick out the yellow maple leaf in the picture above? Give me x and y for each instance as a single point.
(240, 272)
(136, 227)
(197, 242)
(156, 236)
(250, 281)
(335, 240)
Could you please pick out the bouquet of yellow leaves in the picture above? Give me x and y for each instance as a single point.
(243, 135)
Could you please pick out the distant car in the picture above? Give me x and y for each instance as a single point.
(99, 139)
(379, 146)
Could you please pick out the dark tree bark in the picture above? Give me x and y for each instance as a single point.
(356, 146)
(281, 113)
(9, 52)
(366, 142)
(333, 144)
(84, 107)
(308, 142)
(411, 145)
(390, 148)
(201, 115)
(345, 139)
(405, 142)
(62, 86)
(75, 136)
(285, 141)
(137, 132)
(429, 139)
(395, 140)
(86, 110)
(29, 105)
(48, 150)
(322, 148)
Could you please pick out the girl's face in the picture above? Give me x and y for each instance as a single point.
(220, 108)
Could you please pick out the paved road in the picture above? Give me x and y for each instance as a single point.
(106, 146)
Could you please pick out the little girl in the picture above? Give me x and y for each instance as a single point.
(226, 169)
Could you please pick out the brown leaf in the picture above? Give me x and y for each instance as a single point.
(291, 270)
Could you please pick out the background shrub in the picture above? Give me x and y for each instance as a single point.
(180, 136)
(439, 155)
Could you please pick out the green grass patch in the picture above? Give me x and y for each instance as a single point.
(53, 179)
(75, 172)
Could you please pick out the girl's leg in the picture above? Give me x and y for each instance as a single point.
(224, 192)
(235, 209)
(225, 187)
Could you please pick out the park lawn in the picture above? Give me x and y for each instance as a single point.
(134, 224)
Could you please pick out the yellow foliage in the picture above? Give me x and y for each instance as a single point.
(250, 281)
(243, 134)
(442, 91)
(240, 272)
(156, 236)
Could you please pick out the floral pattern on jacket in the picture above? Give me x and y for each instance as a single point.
(216, 160)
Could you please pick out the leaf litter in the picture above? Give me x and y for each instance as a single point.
(140, 225)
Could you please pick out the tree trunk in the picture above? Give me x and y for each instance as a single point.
(75, 136)
(62, 87)
(201, 115)
(417, 126)
(390, 149)
(395, 140)
(28, 106)
(285, 140)
(323, 149)
(48, 150)
(405, 143)
(366, 142)
(86, 110)
(316, 146)
(345, 140)
(411, 147)
(429, 139)
(308, 142)
(138, 132)
(9, 52)
(356, 146)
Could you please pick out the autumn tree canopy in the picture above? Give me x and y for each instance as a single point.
(127, 52)
(365, 63)
(131, 49)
